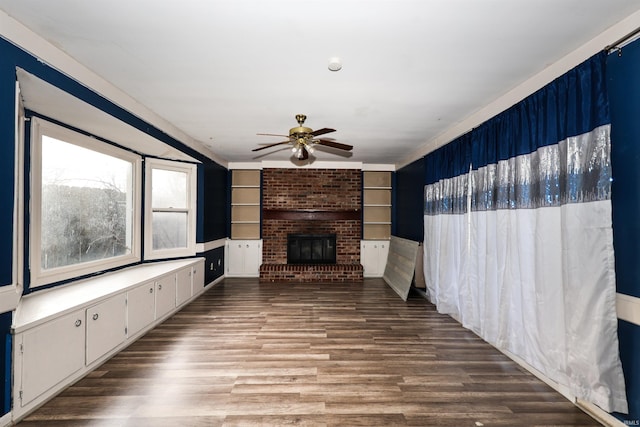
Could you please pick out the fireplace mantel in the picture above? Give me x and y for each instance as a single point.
(311, 214)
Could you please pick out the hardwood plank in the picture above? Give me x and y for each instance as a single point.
(268, 354)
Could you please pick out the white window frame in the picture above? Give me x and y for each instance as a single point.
(40, 277)
(192, 182)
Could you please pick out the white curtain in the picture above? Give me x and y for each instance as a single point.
(521, 252)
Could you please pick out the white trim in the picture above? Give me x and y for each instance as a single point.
(192, 181)
(25, 39)
(9, 297)
(215, 281)
(378, 167)
(40, 277)
(5, 420)
(18, 200)
(245, 165)
(599, 414)
(285, 164)
(208, 246)
(591, 409)
(525, 89)
(628, 308)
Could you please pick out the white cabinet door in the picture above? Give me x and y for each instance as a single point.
(383, 254)
(373, 257)
(235, 257)
(197, 277)
(50, 353)
(106, 326)
(252, 258)
(141, 308)
(165, 295)
(183, 285)
(244, 258)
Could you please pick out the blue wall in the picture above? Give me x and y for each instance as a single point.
(212, 182)
(409, 202)
(623, 79)
(212, 216)
(212, 191)
(7, 167)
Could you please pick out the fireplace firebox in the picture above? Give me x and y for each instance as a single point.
(311, 249)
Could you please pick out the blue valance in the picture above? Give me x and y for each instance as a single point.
(571, 105)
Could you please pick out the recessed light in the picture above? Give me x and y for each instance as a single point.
(335, 64)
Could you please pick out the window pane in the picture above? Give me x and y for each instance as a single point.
(86, 199)
(169, 189)
(169, 230)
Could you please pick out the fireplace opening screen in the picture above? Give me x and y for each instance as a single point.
(311, 249)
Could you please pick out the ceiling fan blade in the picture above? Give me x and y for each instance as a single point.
(321, 131)
(334, 144)
(271, 134)
(270, 145)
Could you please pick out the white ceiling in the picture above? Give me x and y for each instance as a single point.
(222, 71)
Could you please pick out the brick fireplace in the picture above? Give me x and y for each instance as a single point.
(311, 201)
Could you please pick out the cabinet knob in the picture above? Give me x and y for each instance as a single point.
(159, 287)
(150, 290)
(239, 246)
(247, 245)
(95, 316)
(78, 322)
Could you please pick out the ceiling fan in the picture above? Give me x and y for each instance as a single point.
(303, 139)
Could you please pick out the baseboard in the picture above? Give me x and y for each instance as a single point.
(594, 411)
(6, 419)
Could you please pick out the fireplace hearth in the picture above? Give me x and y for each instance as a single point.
(311, 249)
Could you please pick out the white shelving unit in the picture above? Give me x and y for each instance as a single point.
(245, 204)
(376, 205)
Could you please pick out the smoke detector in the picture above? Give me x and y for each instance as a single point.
(335, 64)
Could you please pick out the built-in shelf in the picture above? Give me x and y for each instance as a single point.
(376, 205)
(245, 204)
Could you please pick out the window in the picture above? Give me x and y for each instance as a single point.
(85, 204)
(170, 209)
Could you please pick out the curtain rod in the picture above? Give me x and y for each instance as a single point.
(617, 43)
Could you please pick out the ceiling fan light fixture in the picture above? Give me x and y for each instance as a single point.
(335, 64)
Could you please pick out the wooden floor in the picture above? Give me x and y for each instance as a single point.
(249, 354)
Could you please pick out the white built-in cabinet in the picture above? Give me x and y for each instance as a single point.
(106, 326)
(165, 295)
(373, 257)
(141, 302)
(184, 287)
(245, 204)
(61, 334)
(243, 253)
(48, 355)
(243, 258)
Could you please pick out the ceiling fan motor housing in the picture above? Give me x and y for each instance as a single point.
(299, 132)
